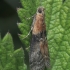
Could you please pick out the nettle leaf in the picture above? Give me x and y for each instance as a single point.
(8, 42)
(28, 10)
(58, 23)
(57, 18)
(19, 55)
(11, 59)
(7, 62)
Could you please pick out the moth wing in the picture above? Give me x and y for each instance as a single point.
(47, 57)
(45, 52)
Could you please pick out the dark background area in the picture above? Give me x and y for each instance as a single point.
(9, 19)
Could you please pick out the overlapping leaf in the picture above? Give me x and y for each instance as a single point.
(10, 59)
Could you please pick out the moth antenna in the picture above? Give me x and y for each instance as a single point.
(28, 33)
(31, 28)
(30, 17)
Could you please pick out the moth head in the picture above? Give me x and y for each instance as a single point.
(40, 10)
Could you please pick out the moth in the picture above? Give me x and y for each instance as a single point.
(39, 52)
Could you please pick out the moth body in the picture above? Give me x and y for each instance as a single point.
(39, 54)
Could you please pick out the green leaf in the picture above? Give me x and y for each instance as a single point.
(28, 10)
(7, 62)
(8, 42)
(19, 62)
(57, 18)
(11, 59)
(58, 23)
(19, 55)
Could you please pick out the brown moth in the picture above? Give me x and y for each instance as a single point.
(39, 54)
